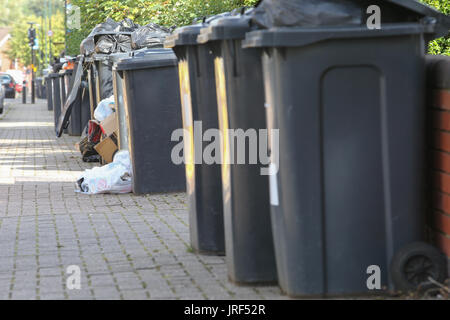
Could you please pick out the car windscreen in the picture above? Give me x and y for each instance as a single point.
(4, 78)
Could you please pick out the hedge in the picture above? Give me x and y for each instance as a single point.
(182, 12)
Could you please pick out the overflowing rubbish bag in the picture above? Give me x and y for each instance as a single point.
(104, 109)
(112, 36)
(115, 177)
(112, 43)
(105, 44)
(149, 36)
(123, 43)
(295, 13)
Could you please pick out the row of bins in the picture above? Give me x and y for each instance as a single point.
(40, 87)
(343, 192)
(58, 86)
(152, 114)
(338, 185)
(236, 196)
(139, 81)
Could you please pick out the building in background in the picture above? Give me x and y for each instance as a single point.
(5, 62)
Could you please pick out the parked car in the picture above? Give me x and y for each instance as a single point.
(9, 85)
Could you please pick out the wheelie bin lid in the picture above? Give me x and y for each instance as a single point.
(147, 51)
(61, 73)
(100, 57)
(54, 75)
(416, 18)
(116, 58)
(183, 36)
(88, 60)
(298, 37)
(442, 21)
(232, 27)
(148, 61)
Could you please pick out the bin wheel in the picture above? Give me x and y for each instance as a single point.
(414, 264)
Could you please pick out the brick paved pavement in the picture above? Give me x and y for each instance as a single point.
(127, 246)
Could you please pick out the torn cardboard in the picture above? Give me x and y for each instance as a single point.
(110, 125)
(107, 148)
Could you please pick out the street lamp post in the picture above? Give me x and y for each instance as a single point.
(65, 27)
(32, 38)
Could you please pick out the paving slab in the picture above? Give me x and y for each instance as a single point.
(124, 246)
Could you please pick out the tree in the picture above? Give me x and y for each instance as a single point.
(442, 45)
(19, 46)
(163, 12)
(11, 11)
(183, 12)
(39, 7)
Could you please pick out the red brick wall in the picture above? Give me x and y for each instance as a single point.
(438, 68)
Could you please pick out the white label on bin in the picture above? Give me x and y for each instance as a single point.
(187, 111)
(273, 185)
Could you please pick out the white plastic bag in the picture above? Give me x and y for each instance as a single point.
(115, 177)
(104, 109)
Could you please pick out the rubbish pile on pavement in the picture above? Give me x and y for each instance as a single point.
(115, 177)
(99, 129)
(103, 126)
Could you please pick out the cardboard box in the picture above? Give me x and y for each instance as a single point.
(107, 148)
(110, 125)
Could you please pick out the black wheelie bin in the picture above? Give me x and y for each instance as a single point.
(74, 127)
(56, 96)
(64, 87)
(91, 76)
(152, 106)
(118, 89)
(199, 107)
(49, 94)
(85, 105)
(103, 74)
(240, 96)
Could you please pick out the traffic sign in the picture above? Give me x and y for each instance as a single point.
(36, 44)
